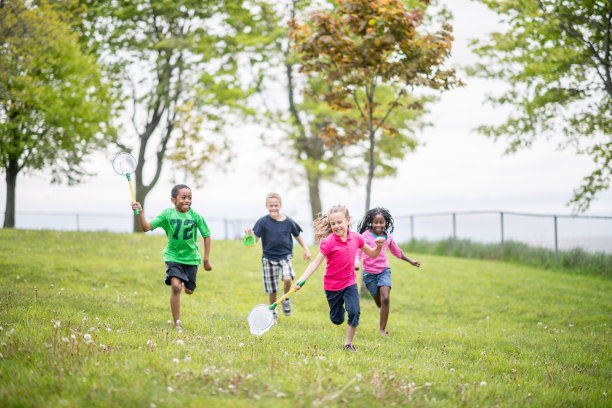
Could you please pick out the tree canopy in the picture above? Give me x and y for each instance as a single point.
(555, 58)
(55, 104)
(372, 55)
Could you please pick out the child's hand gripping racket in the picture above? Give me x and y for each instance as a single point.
(124, 164)
(261, 317)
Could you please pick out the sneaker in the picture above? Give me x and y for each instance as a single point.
(274, 317)
(349, 347)
(286, 307)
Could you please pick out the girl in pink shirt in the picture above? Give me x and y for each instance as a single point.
(339, 247)
(376, 224)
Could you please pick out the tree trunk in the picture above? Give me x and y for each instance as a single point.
(11, 183)
(314, 193)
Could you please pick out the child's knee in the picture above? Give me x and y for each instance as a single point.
(287, 279)
(337, 320)
(176, 287)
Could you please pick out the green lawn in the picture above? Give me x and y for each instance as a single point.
(479, 333)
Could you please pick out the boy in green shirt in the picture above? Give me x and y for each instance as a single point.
(181, 255)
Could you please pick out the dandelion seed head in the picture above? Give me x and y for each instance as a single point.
(241, 345)
(180, 342)
(187, 359)
(170, 389)
(483, 383)
(176, 360)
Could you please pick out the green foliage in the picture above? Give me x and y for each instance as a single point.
(372, 55)
(463, 332)
(574, 261)
(556, 58)
(55, 104)
(179, 64)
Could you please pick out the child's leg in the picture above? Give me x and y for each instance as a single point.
(175, 299)
(351, 303)
(287, 280)
(350, 334)
(377, 299)
(384, 294)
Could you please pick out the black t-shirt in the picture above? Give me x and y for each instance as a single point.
(276, 236)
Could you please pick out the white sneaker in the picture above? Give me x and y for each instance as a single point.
(274, 317)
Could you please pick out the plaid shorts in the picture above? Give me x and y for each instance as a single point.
(273, 269)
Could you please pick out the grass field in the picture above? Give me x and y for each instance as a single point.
(84, 322)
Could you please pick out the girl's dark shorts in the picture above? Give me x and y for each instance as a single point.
(344, 301)
(186, 273)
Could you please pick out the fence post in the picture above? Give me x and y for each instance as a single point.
(78, 222)
(412, 227)
(501, 220)
(225, 227)
(556, 240)
(454, 228)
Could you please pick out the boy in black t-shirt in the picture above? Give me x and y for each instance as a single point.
(276, 231)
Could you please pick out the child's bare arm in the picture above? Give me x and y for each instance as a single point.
(373, 252)
(412, 262)
(310, 269)
(307, 255)
(144, 224)
(207, 264)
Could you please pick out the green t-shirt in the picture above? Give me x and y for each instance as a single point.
(182, 235)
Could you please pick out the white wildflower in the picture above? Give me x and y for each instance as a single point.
(56, 324)
(180, 342)
(65, 339)
(483, 383)
(187, 359)
(102, 347)
(280, 394)
(241, 345)
(176, 360)
(170, 389)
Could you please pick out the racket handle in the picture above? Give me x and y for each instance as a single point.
(286, 295)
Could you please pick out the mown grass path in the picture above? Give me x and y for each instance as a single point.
(84, 320)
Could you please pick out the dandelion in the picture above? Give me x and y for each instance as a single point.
(1, 328)
(65, 339)
(249, 376)
(231, 386)
(176, 360)
(357, 389)
(17, 277)
(241, 345)
(1, 355)
(180, 342)
(149, 342)
(72, 337)
(483, 353)
(56, 324)
(170, 389)
(103, 347)
(187, 359)
(570, 325)
(427, 384)
(106, 286)
(87, 337)
(280, 395)
(539, 323)
(452, 370)
(169, 321)
(483, 383)
(358, 376)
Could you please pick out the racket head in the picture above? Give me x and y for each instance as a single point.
(260, 319)
(124, 163)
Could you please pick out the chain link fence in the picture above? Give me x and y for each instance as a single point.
(557, 232)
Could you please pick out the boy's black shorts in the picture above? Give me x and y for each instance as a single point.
(186, 273)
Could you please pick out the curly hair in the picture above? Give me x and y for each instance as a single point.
(366, 221)
(322, 229)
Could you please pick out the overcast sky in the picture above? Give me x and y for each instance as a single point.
(456, 169)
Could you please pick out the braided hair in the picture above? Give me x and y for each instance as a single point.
(366, 221)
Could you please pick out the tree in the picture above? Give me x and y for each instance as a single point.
(55, 106)
(180, 59)
(371, 57)
(555, 57)
(305, 114)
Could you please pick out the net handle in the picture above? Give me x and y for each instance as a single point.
(286, 295)
(132, 191)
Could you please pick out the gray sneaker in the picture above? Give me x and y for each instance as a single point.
(286, 307)
(274, 317)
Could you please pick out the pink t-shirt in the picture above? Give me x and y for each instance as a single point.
(340, 260)
(378, 264)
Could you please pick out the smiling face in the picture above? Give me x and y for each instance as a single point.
(182, 201)
(339, 223)
(273, 205)
(379, 224)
